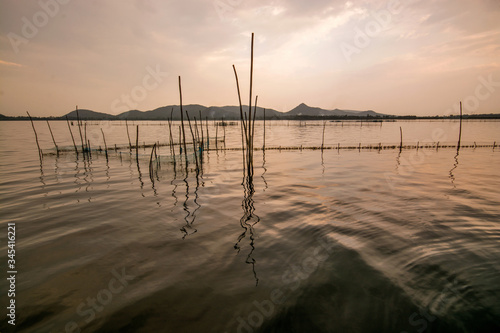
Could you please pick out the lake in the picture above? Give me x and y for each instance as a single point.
(333, 240)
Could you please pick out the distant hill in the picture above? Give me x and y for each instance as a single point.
(213, 112)
(305, 110)
(89, 115)
(219, 112)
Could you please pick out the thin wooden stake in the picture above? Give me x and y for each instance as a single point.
(264, 144)
(208, 137)
(128, 136)
(401, 140)
(180, 142)
(85, 127)
(54, 140)
(216, 135)
(72, 137)
(40, 153)
(171, 140)
(182, 120)
(201, 130)
(194, 142)
(460, 129)
(323, 139)
(137, 143)
(88, 149)
(105, 145)
(80, 130)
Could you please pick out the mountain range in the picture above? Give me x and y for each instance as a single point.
(219, 112)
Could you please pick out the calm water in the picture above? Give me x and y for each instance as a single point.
(344, 241)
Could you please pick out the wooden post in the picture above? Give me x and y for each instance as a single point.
(323, 139)
(105, 145)
(201, 130)
(40, 153)
(137, 144)
(182, 120)
(80, 130)
(460, 129)
(401, 138)
(194, 141)
(216, 135)
(53, 140)
(208, 137)
(72, 137)
(128, 136)
(264, 144)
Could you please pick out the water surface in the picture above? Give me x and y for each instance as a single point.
(339, 241)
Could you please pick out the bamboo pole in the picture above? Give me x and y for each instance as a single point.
(323, 139)
(251, 87)
(128, 136)
(182, 120)
(54, 140)
(242, 120)
(460, 129)
(401, 138)
(216, 135)
(88, 149)
(80, 131)
(180, 142)
(170, 137)
(85, 130)
(105, 145)
(153, 150)
(224, 130)
(208, 137)
(264, 144)
(202, 136)
(137, 143)
(40, 153)
(243, 124)
(72, 137)
(194, 142)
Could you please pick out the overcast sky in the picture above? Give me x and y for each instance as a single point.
(394, 57)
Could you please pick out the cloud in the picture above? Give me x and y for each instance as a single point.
(10, 64)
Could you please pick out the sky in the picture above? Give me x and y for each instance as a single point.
(401, 57)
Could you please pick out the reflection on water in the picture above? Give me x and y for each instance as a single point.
(455, 165)
(248, 221)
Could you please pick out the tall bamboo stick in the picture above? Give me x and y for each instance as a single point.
(80, 131)
(194, 142)
(243, 124)
(251, 87)
(137, 143)
(53, 140)
(208, 137)
(202, 136)
(323, 139)
(401, 138)
(105, 145)
(128, 136)
(460, 129)
(180, 142)
(216, 135)
(85, 127)
(72, 137)
(264, 144)
(170, 137)
(182, 120)
(40, 153)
